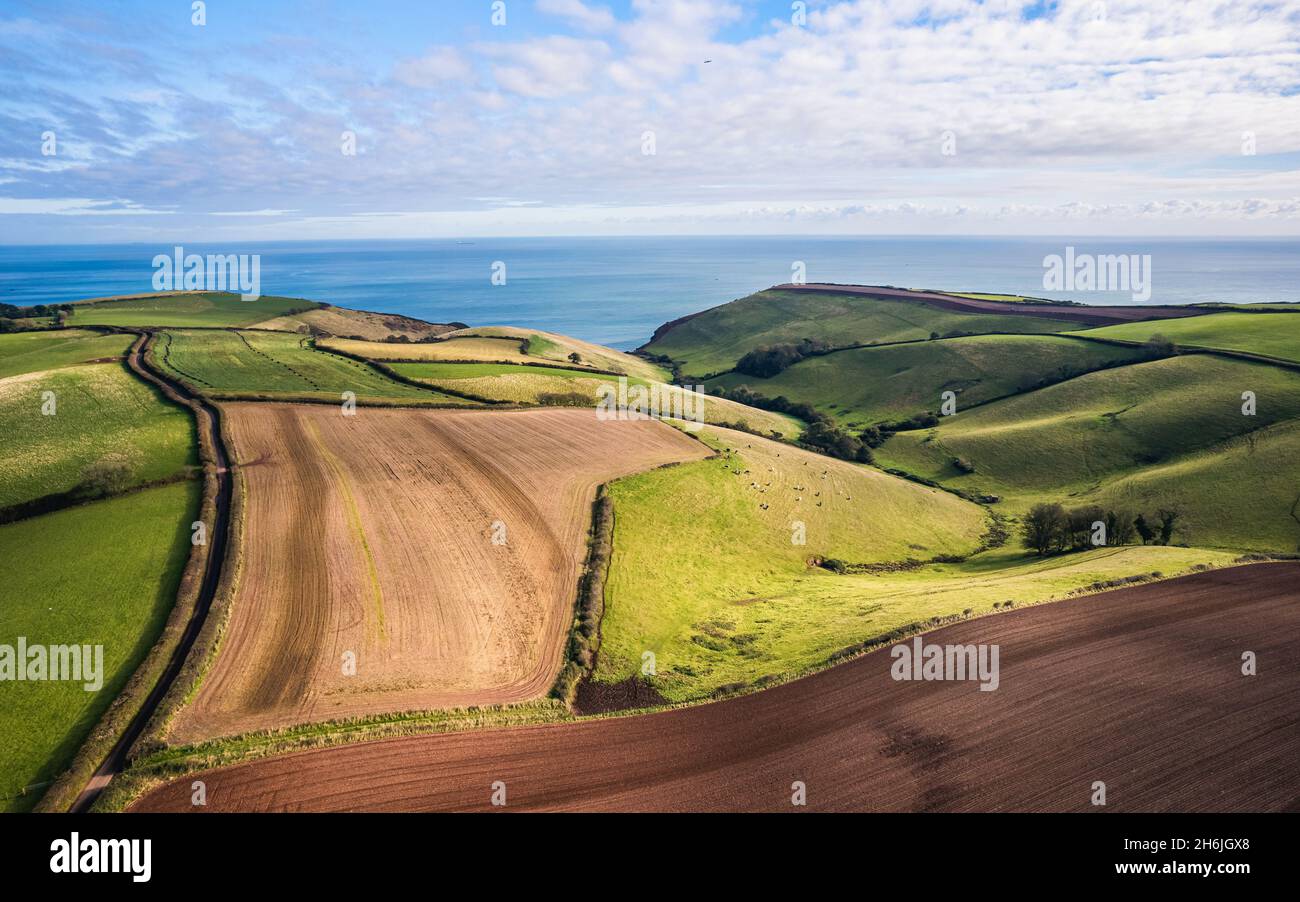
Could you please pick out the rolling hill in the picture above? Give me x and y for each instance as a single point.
(711, 342)
(892, 382)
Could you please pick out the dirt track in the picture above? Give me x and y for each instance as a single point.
(1140, 688)
(1097, 316)
(373, 535)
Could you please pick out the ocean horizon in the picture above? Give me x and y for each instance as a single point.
(617, 290)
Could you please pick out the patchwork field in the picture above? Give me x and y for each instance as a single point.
(109, 431)
(30, 352)
(1270, 334)
(231, 363)
(555, 386)
(871, 385)
(374, 535)
(711, 342)
(187, 309)
(102, 573)
(1168, 432)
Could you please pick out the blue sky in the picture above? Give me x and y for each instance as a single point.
(647, 117)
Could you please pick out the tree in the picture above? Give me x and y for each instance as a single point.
(575, 357)
(1168, 518)
(1043, 526)
(106, 476)
(1160, 346)
(1080, 525)
(1119, 527)
(1144, 529)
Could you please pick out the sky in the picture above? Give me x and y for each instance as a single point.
(172, 120)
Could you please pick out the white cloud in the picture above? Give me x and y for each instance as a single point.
(586, 16)
(437, 65)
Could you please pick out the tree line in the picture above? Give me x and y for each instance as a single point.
(1049, 528)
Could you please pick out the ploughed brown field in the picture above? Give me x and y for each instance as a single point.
(372, 535)
(1140, 688)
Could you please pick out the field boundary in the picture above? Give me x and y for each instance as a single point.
(109, 744)
(581, 650)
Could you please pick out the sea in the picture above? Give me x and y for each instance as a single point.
(617, 291)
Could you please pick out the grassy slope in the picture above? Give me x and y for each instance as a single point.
(896, 381)
(1148, 435)
(102, 411)
(714, 588)
(272, 363)
(29, 352)
(1271, 334)
(104, 573)
(713, 341)
(198, 309)
(692, 545)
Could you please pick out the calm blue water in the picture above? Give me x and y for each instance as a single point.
(615, 291)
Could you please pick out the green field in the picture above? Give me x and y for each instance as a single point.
(1270, 334)
(719, 537)
(893, 382)
(1168, 432)
(713, 586)
(30, 352)
(100, 574)
(231, 363)
(102, 415)
(198, 309)
(714, 340)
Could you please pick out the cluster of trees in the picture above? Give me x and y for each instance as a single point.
(823, 433)
(767, 361)
(1050, 528)
(10, 314)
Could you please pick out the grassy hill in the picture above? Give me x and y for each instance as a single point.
(1270, 334)
(103, 573)
(1168, 432)
(711, 342)
(893, 382)
(710, 582)
(29, 352)
(102, 415)
(707, 539)
(196, 309)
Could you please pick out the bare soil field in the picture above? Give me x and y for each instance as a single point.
(372, 536)
(1139, 688)
(363, 323)
(1088, 314)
